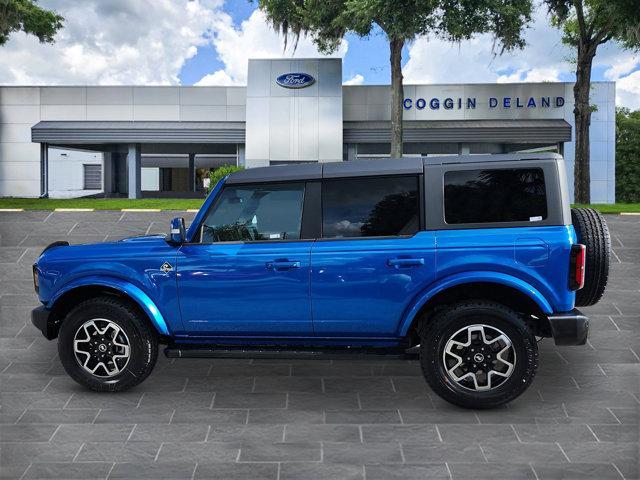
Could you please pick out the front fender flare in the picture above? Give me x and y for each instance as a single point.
(127, 288)
(471, 277)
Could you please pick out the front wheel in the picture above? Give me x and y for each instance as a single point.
(478, 354)
(105, 344)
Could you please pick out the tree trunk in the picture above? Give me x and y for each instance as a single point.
(397, 96)
(582, 114)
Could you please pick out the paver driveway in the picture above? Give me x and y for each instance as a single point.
(309, 419)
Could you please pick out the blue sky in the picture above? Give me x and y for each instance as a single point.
(368, 56)
(208, 42)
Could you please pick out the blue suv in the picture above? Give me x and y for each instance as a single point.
(462, 260)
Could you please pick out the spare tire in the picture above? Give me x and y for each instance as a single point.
(592, 232)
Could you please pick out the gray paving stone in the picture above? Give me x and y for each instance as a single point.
(250, 400)
(554, 433)
(21, 453)
(440, 452)
(120, 452)
(53, 416)
(320, 471)
(327, 433)
(199, 452)
(169, 433)
(282, 416)
(477, 433)
(490, 471)
(158, 470)
(223, 416)
(363, 416)
(361, 453)
(576, 471)
(233, 471)
(135, 415)
(435, 471)
(27, 433)
(280, 452)
(84, 471)
(400, 433)
(523, 452)
(92, 433)
(325, 401)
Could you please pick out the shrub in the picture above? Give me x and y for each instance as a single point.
(219, 173)
(627, 156)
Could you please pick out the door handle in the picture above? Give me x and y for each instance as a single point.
(405, 262)
(282, 265)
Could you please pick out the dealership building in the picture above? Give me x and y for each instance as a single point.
(147, 141)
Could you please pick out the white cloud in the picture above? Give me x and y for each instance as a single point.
(115, 42)
(545, 58)
(435, 61)
(628, 91)
(357, 79)
(531, 75)
(253, 39)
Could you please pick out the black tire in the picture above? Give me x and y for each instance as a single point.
(592, 231)
(142, 339)
(437, 331)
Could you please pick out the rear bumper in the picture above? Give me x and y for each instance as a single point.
(569, 328)
(40, 317)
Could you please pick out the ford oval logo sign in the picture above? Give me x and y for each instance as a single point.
(295, 80)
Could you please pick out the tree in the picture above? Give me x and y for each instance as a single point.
(587, 24)
(627, 156)
(327, 22)
(28, 17)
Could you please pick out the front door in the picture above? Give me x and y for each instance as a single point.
(247, 272)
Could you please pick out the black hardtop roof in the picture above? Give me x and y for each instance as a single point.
(368, 168)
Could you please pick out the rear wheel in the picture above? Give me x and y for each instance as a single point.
(106, 345)
(478, 354)
(592, 231)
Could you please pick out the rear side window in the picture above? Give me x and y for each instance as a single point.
(370, 207)
(489, 196)
(255, 212)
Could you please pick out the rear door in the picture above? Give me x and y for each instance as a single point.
(248, 273)
(373, 257)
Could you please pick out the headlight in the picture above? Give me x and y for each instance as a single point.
(36, 283)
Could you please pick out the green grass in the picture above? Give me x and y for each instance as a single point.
(613, 208)
(101, 203)
(187, 203)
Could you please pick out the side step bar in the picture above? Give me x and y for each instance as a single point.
(186, 351)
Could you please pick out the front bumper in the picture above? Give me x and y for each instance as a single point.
(41, 318)
(569, 328)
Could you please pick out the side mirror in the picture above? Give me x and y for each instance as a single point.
(177, 233)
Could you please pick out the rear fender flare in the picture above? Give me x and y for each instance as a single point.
(126, 288)
(470, 277)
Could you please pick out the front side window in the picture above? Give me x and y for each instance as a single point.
(500, 195)
(255, 212)
(370, 207)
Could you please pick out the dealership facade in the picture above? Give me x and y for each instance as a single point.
(161, 141)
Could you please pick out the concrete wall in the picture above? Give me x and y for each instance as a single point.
(66, 172)
(23, 107)
(283, 124)
(287, 124)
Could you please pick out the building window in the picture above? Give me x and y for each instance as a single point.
(370, 207)
(255, 212)
(92, 177)
(489, 196)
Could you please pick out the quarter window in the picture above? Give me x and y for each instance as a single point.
(255, 212)
(500, 195)
(370, 207)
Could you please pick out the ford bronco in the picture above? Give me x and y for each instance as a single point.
(464, 260)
